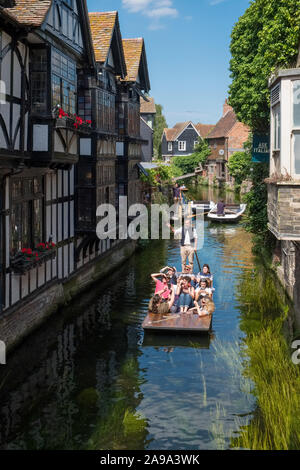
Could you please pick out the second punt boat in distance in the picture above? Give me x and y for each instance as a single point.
(232, 214)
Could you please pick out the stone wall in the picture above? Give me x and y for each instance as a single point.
(17, 323)
(284, 210)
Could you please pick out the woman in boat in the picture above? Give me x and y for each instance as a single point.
(205, 274)
(207, 307)
(163, 287)
(186, 293)
(171, 273)
(158, 306)
(203, 290)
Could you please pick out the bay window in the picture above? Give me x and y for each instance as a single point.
(38, 80)
(296, 126)
(64, 80)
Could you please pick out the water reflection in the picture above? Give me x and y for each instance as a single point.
(90, 379)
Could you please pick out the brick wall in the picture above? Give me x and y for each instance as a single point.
(238, 136)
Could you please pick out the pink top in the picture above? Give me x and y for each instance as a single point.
(159, 287)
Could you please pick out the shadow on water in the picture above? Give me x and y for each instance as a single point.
(90, 379)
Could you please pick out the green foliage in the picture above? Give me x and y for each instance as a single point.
(264, 38)
(239, 165)
(159, 126)
(256, 200)
(163, 174)
(187, 164)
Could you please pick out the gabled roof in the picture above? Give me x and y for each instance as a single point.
(105, 30)
(204, 129)
(223, 126)
(136, 62)
(147, 124)
(148, 107)
(28, 12)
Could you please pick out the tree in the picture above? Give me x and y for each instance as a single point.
(265, 37)
(187, 164)
(239, 165)
(159, 126)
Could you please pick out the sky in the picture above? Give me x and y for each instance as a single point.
(187, 46)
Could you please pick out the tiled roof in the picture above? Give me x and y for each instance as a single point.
(204, 129)
(133, 52)
(223, 126)
(29, 12)
(148, 107)
(102, 27)
(172, 134)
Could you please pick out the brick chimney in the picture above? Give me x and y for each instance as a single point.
(226, 107)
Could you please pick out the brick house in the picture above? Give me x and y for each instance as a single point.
(227, 137)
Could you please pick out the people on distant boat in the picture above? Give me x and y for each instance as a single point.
(171, 273)
(206, 307)
(205, 274)
(203, 290)
(163, 287)
(157, 305)
(188, 244)
(221, 207)
(186, 293)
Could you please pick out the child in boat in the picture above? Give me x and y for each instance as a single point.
(205, 274)
(186, 293)
(163, 287)
(207, 307)
(158, 306)
(203, 290)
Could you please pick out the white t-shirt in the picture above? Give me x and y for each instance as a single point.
(187, 240)
(208, 290)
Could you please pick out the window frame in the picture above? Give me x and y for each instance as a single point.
(184, 145)
(170, 146)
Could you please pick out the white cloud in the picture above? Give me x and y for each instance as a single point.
(154, 9)
(216, 2)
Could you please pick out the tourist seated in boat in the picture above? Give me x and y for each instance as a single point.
(206, 307)
(163, 287)
(203, 290)
(205, 274)
(171, 272)
(158, 305)
(186, 293)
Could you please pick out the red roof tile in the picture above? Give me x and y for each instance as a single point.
(223, 126)
(133, 49)
(204, 129)
(148, 107)
(102, 28)
(29, 12)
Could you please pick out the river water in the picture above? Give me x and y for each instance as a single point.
(90, 379)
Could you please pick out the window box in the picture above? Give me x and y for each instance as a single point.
(22, 263)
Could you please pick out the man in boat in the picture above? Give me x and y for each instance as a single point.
(188, 244)
(221, 208)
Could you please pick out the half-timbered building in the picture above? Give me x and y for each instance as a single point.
(182, 139)
(44, 46)
(129, 145)
(96, 170)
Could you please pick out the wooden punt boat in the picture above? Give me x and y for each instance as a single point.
(179, 323)
(202, 206)
(233, 213)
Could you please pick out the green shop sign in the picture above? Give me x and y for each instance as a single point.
(261, 149)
